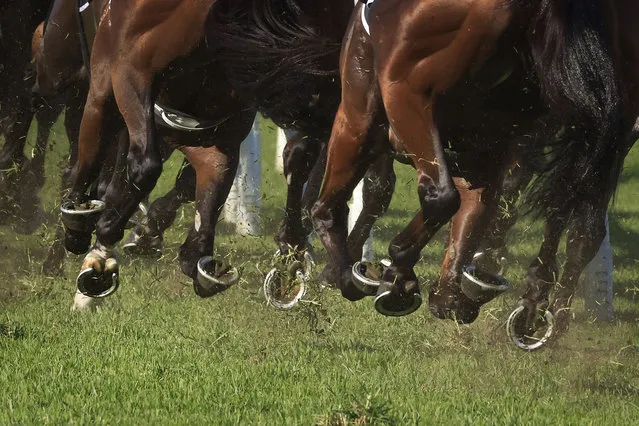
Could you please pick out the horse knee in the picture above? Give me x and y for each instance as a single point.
(587, 239)
(439, 202)
(144, 171)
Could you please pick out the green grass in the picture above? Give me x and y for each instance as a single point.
(156, 353)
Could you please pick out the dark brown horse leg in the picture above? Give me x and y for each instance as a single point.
(136, 175)
(96, 130)
(584, 237)
(12, 156)
(313, 187)
(12, 153)
(32, 175)
(146, 238)
(378, 188)
(513, 180)
(300, 156)
(53, 264)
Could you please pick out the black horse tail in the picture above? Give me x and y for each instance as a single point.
(584, 148)
(282, 54)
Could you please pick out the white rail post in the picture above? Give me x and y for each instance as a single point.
(281, 143)
(355, 209)
(597, 282)
(243, 203)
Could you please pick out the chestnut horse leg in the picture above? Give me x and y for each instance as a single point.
(445, 299)
(411, 76)
(411, 117)
(482, 220)
(349, 153)
(215, 169)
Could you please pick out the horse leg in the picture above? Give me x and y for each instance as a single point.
(215, 169)
(482, 221)
(32, 174)
(300, 155)
(313, 186)
(96, 120)
(348, 154)
(585, 235)
(137, 168)
(53, 264)
(411, 116)
(12, 156)
(146, 237)
(446, 299)
(541, 276)
(378, 188)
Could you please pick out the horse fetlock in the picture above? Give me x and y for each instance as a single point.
(440, 200)
(99, 276)
(142, 242)
(101, 258)
(347, 287)
(77, 242)
(449, 302)
(143, 172)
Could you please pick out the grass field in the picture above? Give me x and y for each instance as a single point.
(158, 354)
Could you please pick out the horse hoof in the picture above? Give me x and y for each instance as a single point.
(81, 217)
(367, 277)
(213, 277)
(282, 289)
(530, 336)
(96, 284)
(482, 287)
(285, 286)
(77, 242)
(142, 245)
(393, 303)
(499, 265)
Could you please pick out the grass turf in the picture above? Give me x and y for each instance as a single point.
(156, 353)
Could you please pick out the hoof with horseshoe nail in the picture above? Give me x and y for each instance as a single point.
(392, 301)
(482, 287)
(81, 217)
(530, 328)
(285, 285)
